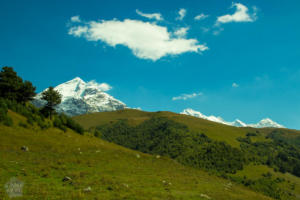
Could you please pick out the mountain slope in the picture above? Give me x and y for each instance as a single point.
(267, 122)
(109, 170)
(262, 147)
(79, 97)
(214, 130)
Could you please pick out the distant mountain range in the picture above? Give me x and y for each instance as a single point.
(79, 97)
(267, 122)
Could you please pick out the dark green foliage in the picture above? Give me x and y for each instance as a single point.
(213, 155)
(26, 92)
(4, 118)
(266, 184)
(28, 110)
(33, 115)
(13, 88)
(252, 134)
(57, 122)
(22, 124)
(278, 135)
(63, 122)
(166, 137)
(53, 98)
(278, 153)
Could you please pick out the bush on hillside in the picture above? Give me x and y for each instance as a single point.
(4, 118)
(63, 122)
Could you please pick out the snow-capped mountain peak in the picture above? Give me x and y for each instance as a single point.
(237, 123)
(267, 122)
(198, 114)
(80, 97)
(73, 88)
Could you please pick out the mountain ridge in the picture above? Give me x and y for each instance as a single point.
(264, 123)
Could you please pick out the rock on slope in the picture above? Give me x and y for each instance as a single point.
(79, 97)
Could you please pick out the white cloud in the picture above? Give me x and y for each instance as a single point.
(205, 29)
(99, 86)
(181, 32)
(241, 15)
(201, 17)
(146, 40)
(137, 108)
(75, 19)
(181, 13)
(156, 16)
(235, 85)
(104, 87)
(218, 30)
(78, 30)
(186, 96)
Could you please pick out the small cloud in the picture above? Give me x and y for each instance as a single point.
(235, 85)
(137, 108)
(75, 19)
(181, 32)
(205, 29)
(187, 96)
(105, 87)
(241, 15)
(156, 16)
(78, 31)
(181, 13)
(146, 40)
(201, 17)
(218, 31)
(99, 86)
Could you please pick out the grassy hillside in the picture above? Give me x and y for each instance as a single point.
(213, 130)
(111, 171)
(257, 145)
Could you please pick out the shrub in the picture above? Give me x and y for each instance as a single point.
(4, 118)
(22, 124)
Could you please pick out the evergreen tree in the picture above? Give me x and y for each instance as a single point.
(10, 83)
(26, 92)
(53, 98)
(12, 86)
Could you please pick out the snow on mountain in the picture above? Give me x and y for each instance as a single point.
(267, 122)
(238, 123)
(198, 114)
(79, 97)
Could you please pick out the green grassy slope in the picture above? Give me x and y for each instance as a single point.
(112, 172)
(213, 130)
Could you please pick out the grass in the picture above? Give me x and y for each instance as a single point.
(213, 130)
(255, 172)
(111, 171)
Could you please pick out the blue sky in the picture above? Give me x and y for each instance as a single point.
(238, 63)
